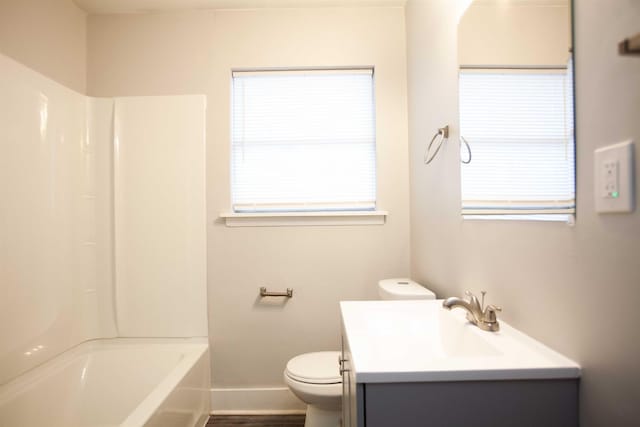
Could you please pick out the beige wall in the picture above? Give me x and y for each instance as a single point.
(149, 54)
(47, 36)
(514, 34)
(574, 288)
(193, 53)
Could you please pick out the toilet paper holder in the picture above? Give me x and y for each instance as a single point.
(265, 293)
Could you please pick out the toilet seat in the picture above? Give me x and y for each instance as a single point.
(315, 368)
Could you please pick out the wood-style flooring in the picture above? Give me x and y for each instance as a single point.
(256, 421)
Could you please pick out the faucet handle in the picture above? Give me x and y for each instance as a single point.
(490, 313)
(473, 300)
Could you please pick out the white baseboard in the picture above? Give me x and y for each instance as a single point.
(275, 400)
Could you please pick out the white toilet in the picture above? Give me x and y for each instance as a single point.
(315, 377)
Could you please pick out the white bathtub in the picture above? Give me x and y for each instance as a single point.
(125, 382)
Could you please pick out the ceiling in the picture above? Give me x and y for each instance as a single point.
(140, 6)
(522, 2)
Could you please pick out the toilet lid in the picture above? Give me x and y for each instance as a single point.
(315, 368)
(403, 289)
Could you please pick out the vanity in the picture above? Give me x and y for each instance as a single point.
(413, 363)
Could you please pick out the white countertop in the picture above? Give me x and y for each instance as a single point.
(417, 341)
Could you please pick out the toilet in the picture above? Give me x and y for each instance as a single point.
(315, 377)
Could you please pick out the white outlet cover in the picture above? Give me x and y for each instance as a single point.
(614, 178)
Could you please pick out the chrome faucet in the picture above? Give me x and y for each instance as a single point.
(483, 318)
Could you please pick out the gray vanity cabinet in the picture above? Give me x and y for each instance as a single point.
(512, 403)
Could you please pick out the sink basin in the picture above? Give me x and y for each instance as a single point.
(407, 341)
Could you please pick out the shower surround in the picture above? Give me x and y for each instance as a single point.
(103, 243)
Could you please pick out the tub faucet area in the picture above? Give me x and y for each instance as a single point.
(483, 317)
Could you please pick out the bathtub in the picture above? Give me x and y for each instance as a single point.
(125, 382)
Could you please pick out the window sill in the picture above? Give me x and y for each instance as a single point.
(558, 218)
(283, 219)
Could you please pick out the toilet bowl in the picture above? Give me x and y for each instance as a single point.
(315, 377)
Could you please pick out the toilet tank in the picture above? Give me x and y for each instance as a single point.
(402, 288)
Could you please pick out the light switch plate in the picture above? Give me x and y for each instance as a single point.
(614, 178)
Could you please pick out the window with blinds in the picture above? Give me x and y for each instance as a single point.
(303, 140)
(519, 124)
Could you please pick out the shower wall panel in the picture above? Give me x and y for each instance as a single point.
(49, 237)
(160, 226)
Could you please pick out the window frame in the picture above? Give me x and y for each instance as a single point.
(550, 210)
(303, 217)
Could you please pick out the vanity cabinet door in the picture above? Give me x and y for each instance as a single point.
(346, 383)
(356, 402)
(352, 403)
(511, 403)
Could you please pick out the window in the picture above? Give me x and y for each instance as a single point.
(519, 124)
(303, 141)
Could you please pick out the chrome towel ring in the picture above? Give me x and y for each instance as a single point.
(443, 133)
(466, 143)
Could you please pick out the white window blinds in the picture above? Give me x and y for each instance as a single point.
(303, 141)
(519, 125)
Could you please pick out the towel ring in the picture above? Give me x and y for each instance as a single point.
(443, 133)
(466, 143)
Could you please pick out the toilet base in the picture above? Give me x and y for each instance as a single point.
(319, 417)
